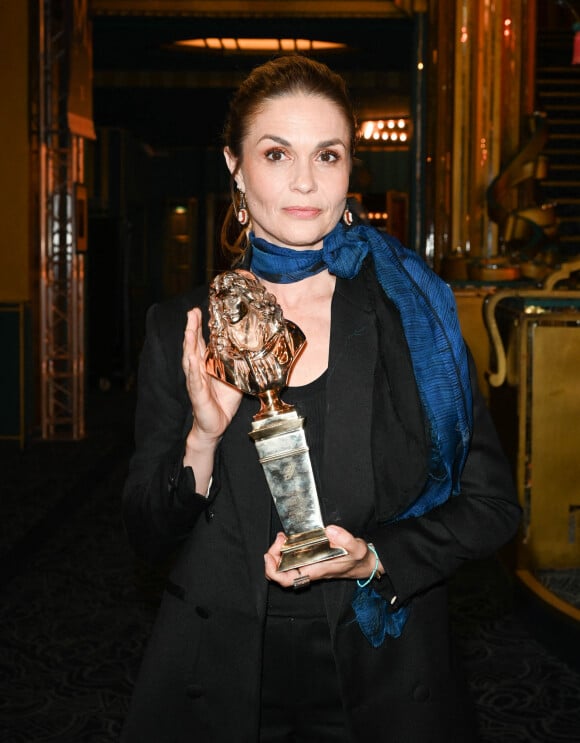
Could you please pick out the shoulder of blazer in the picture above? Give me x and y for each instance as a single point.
(168, 318)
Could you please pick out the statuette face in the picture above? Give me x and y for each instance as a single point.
(252, 346)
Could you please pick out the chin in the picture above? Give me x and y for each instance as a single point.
(305, 238)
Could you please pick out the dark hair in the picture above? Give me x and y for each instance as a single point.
(280, 76)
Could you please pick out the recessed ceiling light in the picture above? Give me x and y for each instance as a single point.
(259, 45)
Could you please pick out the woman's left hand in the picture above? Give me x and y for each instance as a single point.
(358, 563)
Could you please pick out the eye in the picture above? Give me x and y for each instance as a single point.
(276, 154)
(329, 156)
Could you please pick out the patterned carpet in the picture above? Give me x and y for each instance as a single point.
(75, 614)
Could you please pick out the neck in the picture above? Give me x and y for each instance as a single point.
(313, 288)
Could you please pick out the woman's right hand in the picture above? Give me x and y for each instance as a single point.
(214, 403)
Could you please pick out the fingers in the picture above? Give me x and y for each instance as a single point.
(353, 565)
(339, 537)
(193, 342)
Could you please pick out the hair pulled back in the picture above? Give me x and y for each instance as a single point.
(286, 75)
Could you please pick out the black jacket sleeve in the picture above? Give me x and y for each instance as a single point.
(418, 553)
(160, 505)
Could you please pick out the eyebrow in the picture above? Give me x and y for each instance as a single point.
(285, 143)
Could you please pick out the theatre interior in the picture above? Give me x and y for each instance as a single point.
(113, 189)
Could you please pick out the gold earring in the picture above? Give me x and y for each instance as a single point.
(243, 216)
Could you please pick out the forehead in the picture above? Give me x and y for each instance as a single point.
(299, 116)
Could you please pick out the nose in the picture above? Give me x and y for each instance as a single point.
(303, 179)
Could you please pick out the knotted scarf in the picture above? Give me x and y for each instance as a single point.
(428, 313)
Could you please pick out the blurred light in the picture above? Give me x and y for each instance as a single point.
(576, 51)
(259, 45)
(386, 132)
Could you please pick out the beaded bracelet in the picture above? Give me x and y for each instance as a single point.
(363, 584)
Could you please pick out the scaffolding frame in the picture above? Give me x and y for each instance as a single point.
(59, 159)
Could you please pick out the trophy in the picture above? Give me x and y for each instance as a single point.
(252, 347)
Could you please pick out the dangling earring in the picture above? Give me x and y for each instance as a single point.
(243, 216)
(347, 217)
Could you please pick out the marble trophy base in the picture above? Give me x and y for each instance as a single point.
(284, 456)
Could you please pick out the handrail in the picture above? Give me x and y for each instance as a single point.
(562, 273)
(496, 378)
(528, 224)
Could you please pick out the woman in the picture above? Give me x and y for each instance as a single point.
(410, 476)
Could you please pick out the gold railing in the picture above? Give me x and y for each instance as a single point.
(498, 376)
(525, 225)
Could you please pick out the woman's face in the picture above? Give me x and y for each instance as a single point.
(295, 170)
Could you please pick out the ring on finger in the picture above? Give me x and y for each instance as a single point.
(303, 581)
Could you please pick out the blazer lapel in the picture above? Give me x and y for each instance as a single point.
(254, 505)
(347, 466)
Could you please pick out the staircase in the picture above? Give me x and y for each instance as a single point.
(558, 95)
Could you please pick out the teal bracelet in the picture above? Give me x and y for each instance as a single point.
(365, 583)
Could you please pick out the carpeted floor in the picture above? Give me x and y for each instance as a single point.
(76, 609)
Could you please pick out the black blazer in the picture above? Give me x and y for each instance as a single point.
(200, 677)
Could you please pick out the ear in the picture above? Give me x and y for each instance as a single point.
(233, 166)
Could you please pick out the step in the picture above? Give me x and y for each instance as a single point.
(564, 122)
(559, 93)
(569, 239)
(563, 82)
(564, 135)
(560, 184)
(571, 152)
(556, 70)
(562, 107)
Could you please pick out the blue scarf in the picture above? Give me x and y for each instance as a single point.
(438, 354)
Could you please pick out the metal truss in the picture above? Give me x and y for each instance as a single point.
(59, 162)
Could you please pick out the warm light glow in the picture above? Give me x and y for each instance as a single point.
(260, 45)
(385, 131)
(377, 216)
(367, 129)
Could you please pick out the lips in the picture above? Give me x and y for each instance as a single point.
(302, 212)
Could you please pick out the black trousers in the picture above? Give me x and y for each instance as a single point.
(300, 694)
